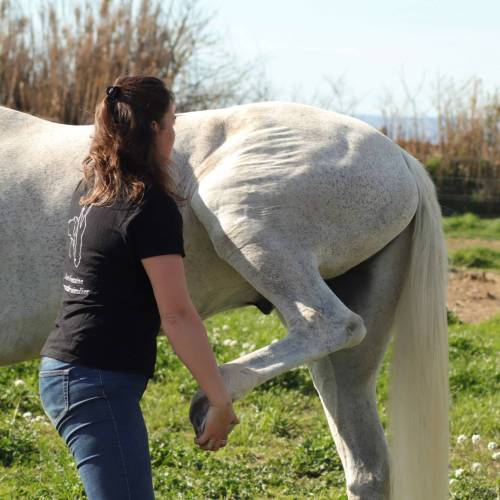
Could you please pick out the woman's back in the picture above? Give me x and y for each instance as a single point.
(109, 317)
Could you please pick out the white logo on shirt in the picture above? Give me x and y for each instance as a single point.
(79, 291)
(76, 228)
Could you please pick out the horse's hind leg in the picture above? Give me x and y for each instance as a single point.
(346, 380)
(317, 322)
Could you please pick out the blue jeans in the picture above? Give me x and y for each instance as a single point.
(97, 413)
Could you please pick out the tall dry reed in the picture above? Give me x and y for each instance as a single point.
(464, 156)
(55, 65)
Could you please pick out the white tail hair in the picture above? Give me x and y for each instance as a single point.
(418, 380)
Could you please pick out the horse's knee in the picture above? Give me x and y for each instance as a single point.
(327, 331)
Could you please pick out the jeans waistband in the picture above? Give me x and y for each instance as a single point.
(48, 363)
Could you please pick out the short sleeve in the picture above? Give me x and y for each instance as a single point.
(156, 229)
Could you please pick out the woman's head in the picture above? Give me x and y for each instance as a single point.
(133, 140)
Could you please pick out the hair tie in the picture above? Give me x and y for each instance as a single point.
(113, 92)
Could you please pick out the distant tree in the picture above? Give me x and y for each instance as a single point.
(339, 96)
(57, 66)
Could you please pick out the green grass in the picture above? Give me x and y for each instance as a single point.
(472, 226)
(282, 447)
(476, 257)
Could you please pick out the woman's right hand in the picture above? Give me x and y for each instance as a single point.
(218, 423)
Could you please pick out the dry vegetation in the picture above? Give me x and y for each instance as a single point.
(56, 63)
(464, 155)
(465, 161)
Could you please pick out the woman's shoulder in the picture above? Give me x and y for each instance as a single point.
(157, 199)
(157, 191)
(156, 207)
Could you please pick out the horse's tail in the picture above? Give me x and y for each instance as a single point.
(418, 385)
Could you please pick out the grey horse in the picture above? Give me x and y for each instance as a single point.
(291, 207)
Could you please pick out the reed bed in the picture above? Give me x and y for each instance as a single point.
(464, 157)
(56, 62)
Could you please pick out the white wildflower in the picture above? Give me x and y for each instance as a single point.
(492, 445)
(475, 438)
(19, 382)
(476, 466)
(39, 418)
(229, 342)
(27, 415)
(452, 482)
(225, 328)
(496, 455)
(461, 439)
(458, 472)
(248, 345)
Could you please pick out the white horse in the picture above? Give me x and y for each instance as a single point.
(290, 207)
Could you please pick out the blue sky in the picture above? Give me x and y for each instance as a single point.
(372, 44)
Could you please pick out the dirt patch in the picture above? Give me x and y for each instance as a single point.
(474, 296)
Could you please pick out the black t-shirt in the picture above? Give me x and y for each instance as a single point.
(109, 318)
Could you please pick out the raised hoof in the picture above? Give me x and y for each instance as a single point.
(198, 411)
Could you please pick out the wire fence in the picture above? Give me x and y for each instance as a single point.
(461, 194)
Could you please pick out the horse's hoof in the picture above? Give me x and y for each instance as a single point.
(198, 411)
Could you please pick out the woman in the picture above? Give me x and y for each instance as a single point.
(123, 279)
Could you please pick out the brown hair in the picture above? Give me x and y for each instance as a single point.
(122, 152)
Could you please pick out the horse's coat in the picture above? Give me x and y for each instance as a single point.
(289, 206)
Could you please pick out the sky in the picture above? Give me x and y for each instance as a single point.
(370, 45)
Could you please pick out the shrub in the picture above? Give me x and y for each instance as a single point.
(18, 443)
(478, 257)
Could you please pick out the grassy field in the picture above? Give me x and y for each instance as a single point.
(472, 226)
(476, 257)
(469, 228)
(282, 448)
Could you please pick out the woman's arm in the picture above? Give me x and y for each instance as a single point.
(183, 326)
(187, 334)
